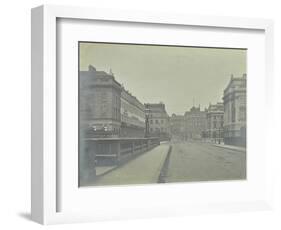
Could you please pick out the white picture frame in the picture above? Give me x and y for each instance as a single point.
(46, 181)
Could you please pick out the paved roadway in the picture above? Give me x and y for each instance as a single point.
(189, 161)
(195, 161)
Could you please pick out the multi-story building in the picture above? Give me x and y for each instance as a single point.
(235, 108)
(106, 108)
(158, 120)
(195, 123)
(177, 127)
(215, 117)
(132, 116)
(99, 103)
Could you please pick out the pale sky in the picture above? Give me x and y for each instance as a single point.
(168, 74)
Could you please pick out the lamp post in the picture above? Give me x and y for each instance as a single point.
(146, 123)
(219, 135)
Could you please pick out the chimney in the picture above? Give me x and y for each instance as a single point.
(91, 68)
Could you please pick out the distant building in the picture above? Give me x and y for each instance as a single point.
(195, 123)
(177, 126)
(215, 117)
(235, 108)
(158, 120)
(106, 108)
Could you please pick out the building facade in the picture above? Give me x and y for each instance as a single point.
(195, 123)
(215, 120)
(158, 120)
(235, 111)
(132, 116)
(177, 127)
(99, 103)
(106, 108)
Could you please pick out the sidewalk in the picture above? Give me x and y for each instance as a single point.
(141, 170)
(231, 147)
(101, 170)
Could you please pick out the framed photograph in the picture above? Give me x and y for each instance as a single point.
(137, 115)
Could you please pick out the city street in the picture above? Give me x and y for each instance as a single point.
(119, 128)
(196, 161)
(188, 161)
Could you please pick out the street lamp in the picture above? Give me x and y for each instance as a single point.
(147, 122)
(219, 135)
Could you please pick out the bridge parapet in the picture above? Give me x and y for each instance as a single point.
(111, 151)
(118, 148)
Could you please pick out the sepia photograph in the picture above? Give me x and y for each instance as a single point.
(161, 114)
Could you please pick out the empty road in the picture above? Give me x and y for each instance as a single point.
(188, 161)
(196, 161)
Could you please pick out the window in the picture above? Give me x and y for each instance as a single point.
(215, 124)
(214, 135)
(242, 113)
(233, 117)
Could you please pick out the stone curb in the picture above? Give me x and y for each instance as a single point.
(234, 149)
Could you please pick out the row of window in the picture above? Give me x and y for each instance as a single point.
(157, 121)
(218, 117)
(195, 124)
(158, 130)
(217, 124)
(132, 108)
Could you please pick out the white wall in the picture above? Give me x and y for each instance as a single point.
(15, 112)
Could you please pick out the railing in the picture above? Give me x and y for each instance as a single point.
(110, 151)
